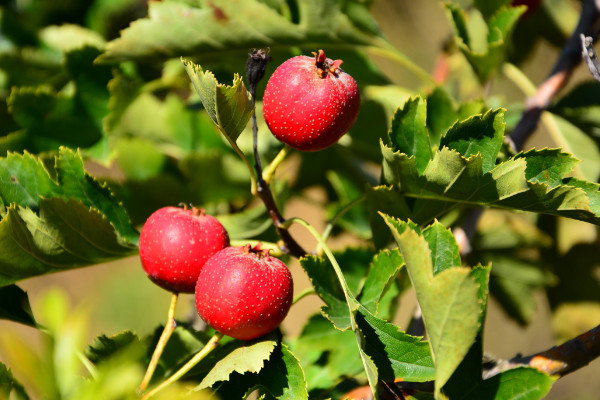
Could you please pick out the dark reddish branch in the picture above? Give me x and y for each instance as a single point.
(559, 360)
(569, 58)
(256, 65)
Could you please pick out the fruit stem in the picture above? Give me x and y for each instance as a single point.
(256, 63)
(272, 167)
(272, 247)
(208, 347)
(308, 291)
(162, 342)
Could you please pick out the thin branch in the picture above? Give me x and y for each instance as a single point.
(255, 70)
(570, 57)
(559, 360)
(589, 56)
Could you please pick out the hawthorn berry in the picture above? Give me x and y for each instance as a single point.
(175, 243)
(310, 102)
(244, 292)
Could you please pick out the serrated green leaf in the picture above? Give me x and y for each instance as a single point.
(382, 271)
(449, 301)
(451, 179)
(408, 133)
(514, 384)
(500, 25)
(50, 119)
(105, 347)
(489, 7)
(327, 286)
(249, 357)
(482, 135)
(9, 386)
(14, 305)
(444, 250)
(173, 29)
(441, 114)
(230, 107)
(319, 340)
(395, 353)
(281, 377)
(469, 372)
(53, 225)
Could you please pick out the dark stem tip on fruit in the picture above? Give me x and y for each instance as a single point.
(256, 249)
(325, 65)
(256, 65)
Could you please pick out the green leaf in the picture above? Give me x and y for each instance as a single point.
(441, 114)
(281, 377)
(173, 29)
(14, 305)
(449, 301)
(408, 133)
(53, 225)
(230, 107)
(482, 135)
(51, 119)
(327, 286)
(452, 179)
(326, 353)
(489, 7)
(105, 347)
(395, 353)
(8, 385)
(444, 250)
(499, 28)
(515, 283)
(383, 270)
(514, 384)
(410, 356)
(248, 357)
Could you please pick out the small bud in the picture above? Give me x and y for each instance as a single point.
(256, 66)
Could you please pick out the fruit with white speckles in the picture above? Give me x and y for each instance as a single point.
(243, 292)
(310, 102)
(175, 243)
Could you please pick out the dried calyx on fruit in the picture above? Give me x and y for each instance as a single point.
(175, 243)
(310, 102)
(244, 292)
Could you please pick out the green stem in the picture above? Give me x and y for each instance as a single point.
(208, 347)
(303, 294)
(336, 267)
(162, 342)
(272, 167)
(241, 154)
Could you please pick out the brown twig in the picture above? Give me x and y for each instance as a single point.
(255, 70)
(569, 58)
(559, 360)
(589, 56)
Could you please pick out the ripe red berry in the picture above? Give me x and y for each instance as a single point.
(243, 292)
(175, 243)
(310, 103)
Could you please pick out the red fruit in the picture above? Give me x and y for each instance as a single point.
(176, 242)
(243, 292)
(310, 103)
